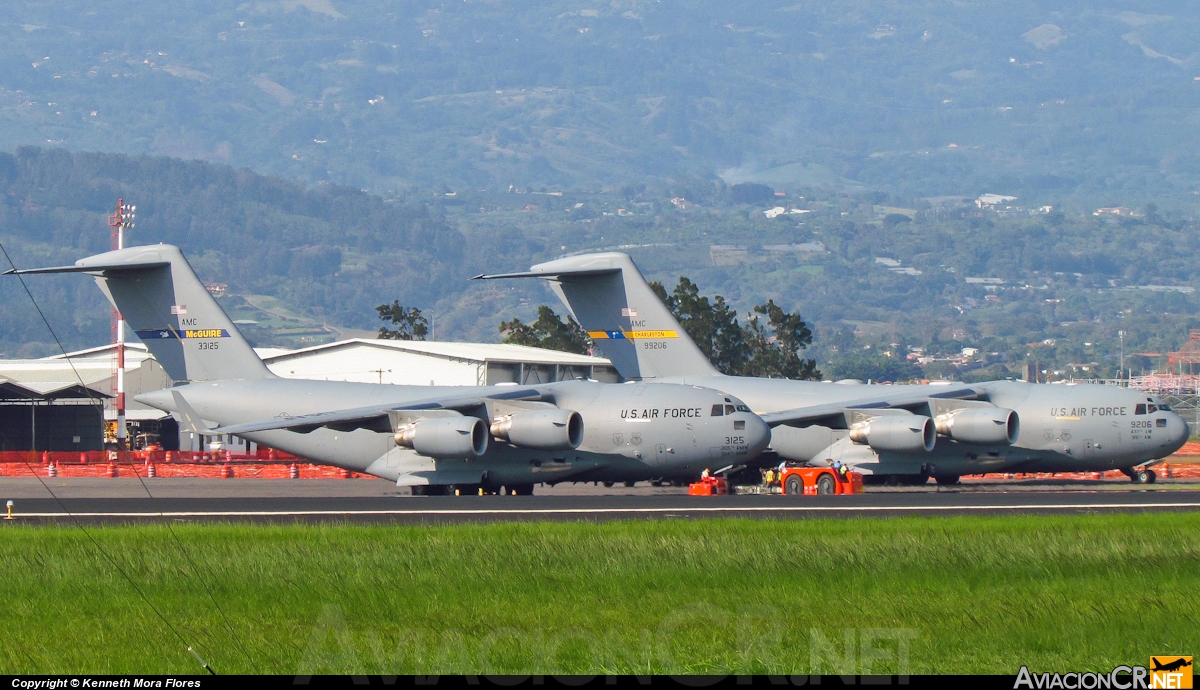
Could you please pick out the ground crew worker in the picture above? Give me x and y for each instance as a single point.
(705, 474)
(769, 477)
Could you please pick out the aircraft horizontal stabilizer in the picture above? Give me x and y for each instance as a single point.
(92, 268)
(551, 274)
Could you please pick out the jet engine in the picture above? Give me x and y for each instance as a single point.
(541, 429)
(445, 437)
(988, 426)
(896, 433)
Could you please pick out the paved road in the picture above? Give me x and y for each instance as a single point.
(192, 500)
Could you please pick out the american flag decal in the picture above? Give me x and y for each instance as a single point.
(179, 309)
(628, 311)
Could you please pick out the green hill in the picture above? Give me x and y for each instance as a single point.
(873, 273)
(1081, 102)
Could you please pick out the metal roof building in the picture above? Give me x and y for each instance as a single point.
(61, 403)
(425, 363)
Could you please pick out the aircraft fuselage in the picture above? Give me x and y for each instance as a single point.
(631, 432)
(1067, 428)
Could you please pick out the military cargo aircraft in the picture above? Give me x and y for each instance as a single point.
(899, 433)
(437, 439)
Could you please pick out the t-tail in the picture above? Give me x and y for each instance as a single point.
(610, 299)
(158, 294)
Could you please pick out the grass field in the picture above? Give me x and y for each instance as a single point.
(982, 594)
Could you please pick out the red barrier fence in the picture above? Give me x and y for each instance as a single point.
(263, 464)
(1167, 470)
(273, 464)
(158, 457)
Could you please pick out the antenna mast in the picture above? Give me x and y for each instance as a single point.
(120, 221)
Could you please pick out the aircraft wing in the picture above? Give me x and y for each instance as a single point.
(834, 414)
(385, 418)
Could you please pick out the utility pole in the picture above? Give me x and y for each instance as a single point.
(1121, 374)
(120, 221)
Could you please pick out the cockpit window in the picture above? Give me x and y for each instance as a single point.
(1164, 408)
(743, 408)
(730, 409)
(1140, 409)
(1152, 408)
(717, 410)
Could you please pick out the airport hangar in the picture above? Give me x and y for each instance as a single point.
(44, 405)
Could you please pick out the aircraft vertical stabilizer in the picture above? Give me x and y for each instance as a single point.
(163, 301)
(610, 299)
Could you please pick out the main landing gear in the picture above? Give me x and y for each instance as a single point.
(1140, 475)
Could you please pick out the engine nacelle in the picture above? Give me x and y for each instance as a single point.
(897, 433)
(445, 437)
(541, 429)
(985, 426)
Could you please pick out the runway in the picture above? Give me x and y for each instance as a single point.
(379, 502)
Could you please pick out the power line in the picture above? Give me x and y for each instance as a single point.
(75, 520)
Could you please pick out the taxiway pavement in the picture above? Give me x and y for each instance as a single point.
(125, 500)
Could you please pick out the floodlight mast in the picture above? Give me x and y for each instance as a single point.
(120, 221)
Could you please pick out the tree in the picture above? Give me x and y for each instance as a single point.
(409, 323)
(548, 332)
(751, 193)
(866, 366)
(775, 348)
(713, 326)
(771, 350)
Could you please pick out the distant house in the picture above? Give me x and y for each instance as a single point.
(1113, 211)
(775, 212)
(991, 200)
(216, 289)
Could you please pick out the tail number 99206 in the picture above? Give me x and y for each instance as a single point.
(654, 345)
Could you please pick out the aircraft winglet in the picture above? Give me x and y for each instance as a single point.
(191, 421)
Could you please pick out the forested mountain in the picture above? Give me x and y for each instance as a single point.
(1084, 103)
(871, 273)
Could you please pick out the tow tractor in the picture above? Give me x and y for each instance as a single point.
(812, 481)
(792, 481)
(709, 486)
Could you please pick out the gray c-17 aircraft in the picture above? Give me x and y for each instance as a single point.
(434, 438)
(884, 431)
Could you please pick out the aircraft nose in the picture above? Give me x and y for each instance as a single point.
(1179, 431)
(758, 434)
